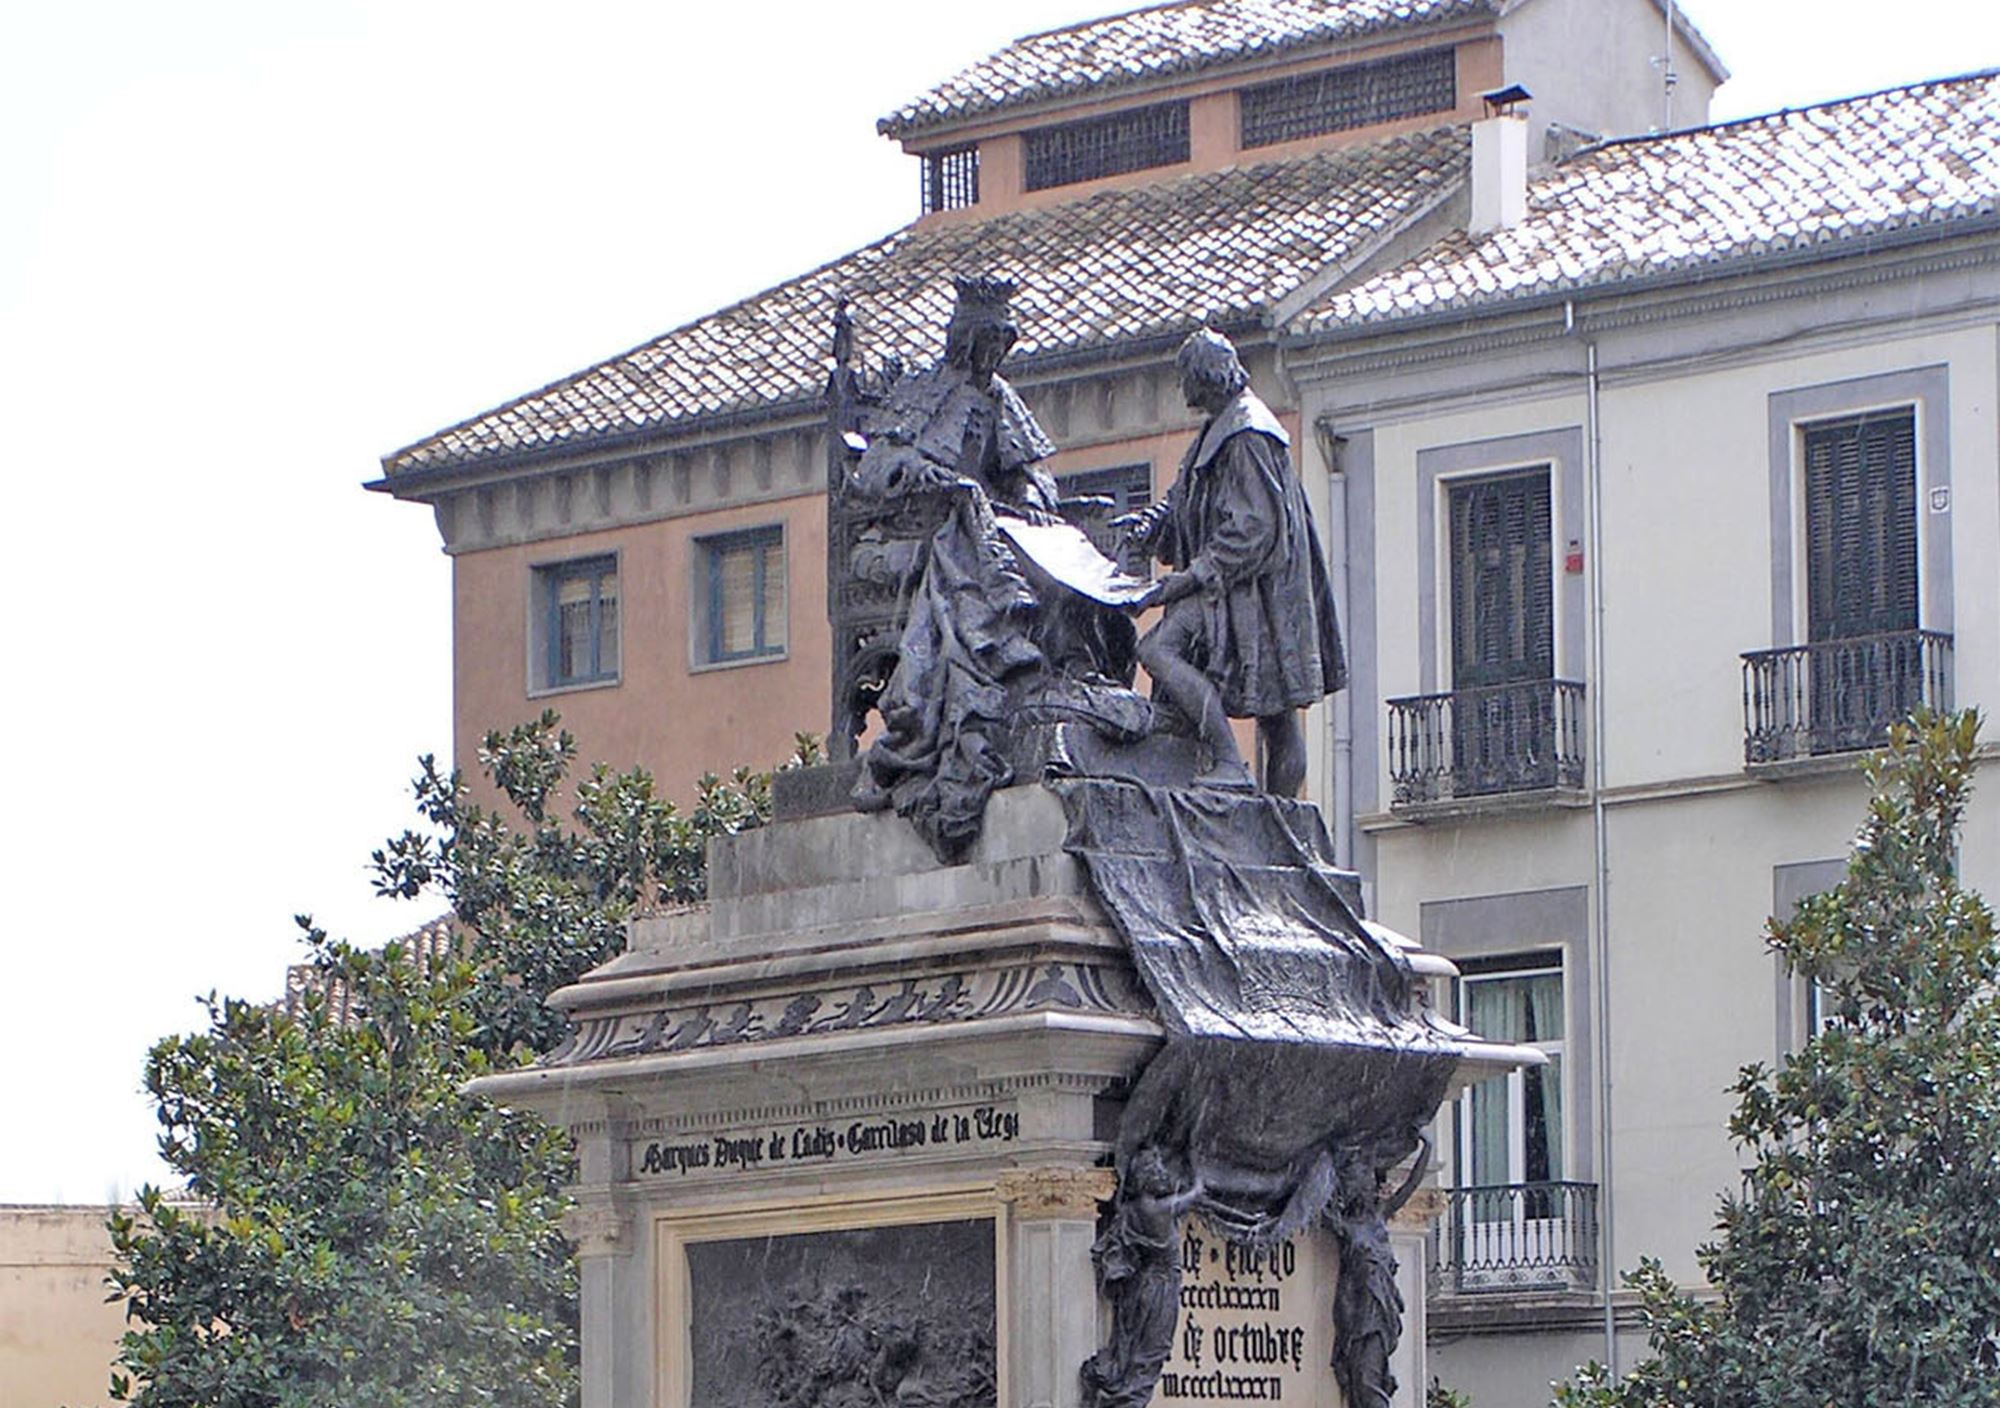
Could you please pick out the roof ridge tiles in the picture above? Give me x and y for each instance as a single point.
(1126, 13)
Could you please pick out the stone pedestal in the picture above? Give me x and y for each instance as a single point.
(843, 1134)
(846, 1070)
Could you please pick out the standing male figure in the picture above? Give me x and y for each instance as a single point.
(1249, 629)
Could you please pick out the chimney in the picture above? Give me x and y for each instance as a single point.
(1500, 163)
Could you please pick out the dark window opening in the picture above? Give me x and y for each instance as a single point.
(1107, 146)
(1507, 724)
(951, 179)
(1128, 486)
(1359, 95)
(1502, 588)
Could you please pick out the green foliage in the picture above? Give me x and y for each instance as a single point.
(372, 1235)
(546, 900)
(364, 1234)
(1860, 1265)
(1438, 1396)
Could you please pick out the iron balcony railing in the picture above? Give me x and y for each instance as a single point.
(1516, 1237)
(1482, 742)
(1839, 696)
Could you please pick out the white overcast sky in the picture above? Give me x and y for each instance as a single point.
(246, 249)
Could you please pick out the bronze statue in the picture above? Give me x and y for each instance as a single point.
(1300, 1064)
(1249, 629)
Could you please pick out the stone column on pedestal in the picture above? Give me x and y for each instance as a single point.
(1410, 1232)
(601, 1224)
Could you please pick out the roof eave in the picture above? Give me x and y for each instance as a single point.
(449, 472)
(1899, 237)
(419, 484)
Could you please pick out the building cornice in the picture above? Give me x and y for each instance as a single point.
(694, 434)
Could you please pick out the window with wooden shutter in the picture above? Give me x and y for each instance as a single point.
(1502, 593)
(1506, 728)
(1861, 526)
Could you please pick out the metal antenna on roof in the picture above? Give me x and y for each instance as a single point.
(1668, 76)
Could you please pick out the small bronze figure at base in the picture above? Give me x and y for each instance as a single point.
(1138, 1261)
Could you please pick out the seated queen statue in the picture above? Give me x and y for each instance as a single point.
(996, 626)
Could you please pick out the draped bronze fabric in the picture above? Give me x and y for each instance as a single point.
(1296, 1071)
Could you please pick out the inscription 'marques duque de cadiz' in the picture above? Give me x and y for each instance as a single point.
(790, 1145)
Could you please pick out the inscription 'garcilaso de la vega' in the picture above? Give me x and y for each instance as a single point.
(784, 1146)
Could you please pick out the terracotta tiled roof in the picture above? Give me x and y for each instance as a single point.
(1813, 176)
(1160, 40)
(429, 948)
(1122, 264)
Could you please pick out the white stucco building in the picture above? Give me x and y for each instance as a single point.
(1651, 510)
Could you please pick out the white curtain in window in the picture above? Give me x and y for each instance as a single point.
(607, 625)
(1514, 1123)
(573, 627)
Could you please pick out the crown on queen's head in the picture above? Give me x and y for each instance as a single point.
(982, 292)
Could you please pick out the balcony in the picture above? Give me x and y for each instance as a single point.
(1493, 742)
(1516, 1238)
(1839, 696)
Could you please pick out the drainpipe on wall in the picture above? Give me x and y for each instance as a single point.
(1600, 838)
(1342, 798)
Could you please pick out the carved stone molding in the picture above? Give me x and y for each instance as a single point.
(1425, 1207)
(996, 1090)
(1047, 1194)
(947, 997)
(599, 1229)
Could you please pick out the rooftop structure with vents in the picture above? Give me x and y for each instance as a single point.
(1185, 87)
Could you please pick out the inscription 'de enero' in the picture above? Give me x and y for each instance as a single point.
(740, 1152)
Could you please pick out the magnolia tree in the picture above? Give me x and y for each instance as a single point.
(357, 1230)
(1860, 1264)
